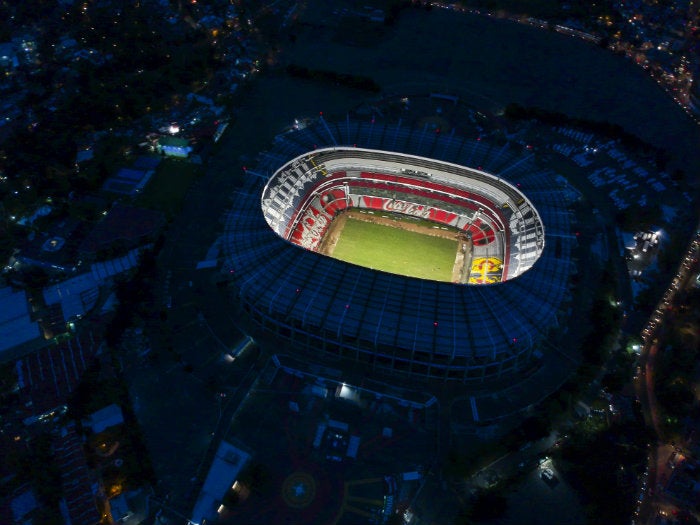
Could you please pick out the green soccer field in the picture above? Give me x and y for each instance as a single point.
(397, 251)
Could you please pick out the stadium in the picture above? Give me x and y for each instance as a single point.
(489, 316)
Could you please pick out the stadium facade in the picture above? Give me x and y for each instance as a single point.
(514, 214)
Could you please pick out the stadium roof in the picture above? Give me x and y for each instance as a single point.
(434, 328)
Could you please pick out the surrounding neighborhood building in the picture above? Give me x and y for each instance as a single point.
(227, 465)
(105, 418)
(16, 324)
(174, 147)
(123, 228)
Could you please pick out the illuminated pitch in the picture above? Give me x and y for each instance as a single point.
(387, 245)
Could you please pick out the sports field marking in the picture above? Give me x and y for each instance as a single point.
(396, 250)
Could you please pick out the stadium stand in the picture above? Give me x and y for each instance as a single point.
(404, 325)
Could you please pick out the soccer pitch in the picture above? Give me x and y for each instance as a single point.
(396, 250)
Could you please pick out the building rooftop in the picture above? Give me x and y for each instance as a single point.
(54, 249)
(227, 465)
(16, 325)
(125, 224)
(78, 484)
(127, 181)
(109, 416)
(22, 505)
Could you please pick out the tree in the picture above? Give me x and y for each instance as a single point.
(45, 474)
(640, 217)
(603, 464)
(619, 375)
(395, 519)
(488, 505)
(676, 397)
(536, 427)
(35, 278)
(678, 175)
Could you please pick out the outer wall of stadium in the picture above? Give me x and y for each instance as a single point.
(417, 328)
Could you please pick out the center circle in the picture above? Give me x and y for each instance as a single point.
(299, 490)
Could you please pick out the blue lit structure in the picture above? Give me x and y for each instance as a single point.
(392, 323)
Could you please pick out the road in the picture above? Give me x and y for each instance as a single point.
(659, 471)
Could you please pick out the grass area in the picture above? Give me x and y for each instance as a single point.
(396, 251)
(167, 188)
